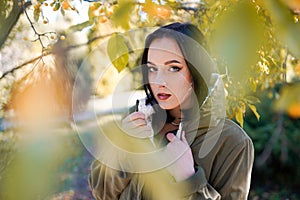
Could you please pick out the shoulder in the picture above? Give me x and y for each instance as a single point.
(233, 133)
(226, 137)
(226, 144)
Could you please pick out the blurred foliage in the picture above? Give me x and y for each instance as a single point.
(34, 170)
(7, 150)
(289, 100)
(276, 140)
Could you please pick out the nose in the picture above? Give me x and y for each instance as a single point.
(160, 79)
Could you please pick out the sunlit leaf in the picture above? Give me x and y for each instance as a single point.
(118, 52)
(171, 1)
(239, 117)
(242, 106)
(155, 10)
(252, 99)
(93, 10)
(65, 5)
(253, 108)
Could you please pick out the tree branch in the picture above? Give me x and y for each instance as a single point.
(45, 53)
(8, 23)
(25, 63)
(33, 28)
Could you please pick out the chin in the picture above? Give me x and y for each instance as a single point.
(167, 106)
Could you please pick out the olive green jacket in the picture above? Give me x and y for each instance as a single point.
(223, 158)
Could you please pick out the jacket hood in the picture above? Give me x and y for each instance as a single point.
(210, 113)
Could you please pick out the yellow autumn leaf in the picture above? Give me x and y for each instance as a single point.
(239, 117)
(171, 1)
(155, 10)
(253, 108)
(242, 106)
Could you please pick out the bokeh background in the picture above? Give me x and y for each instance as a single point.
(46, 46)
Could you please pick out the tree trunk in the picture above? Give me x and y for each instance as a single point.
(7, 23)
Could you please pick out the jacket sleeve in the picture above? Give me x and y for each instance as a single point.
(107, 183)
(232, 181)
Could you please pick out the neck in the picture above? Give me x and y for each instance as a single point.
(176, 113)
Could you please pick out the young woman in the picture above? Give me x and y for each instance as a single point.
(198, 153)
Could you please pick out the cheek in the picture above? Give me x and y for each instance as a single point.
(152, 87)
(182, 81)
(180, 86)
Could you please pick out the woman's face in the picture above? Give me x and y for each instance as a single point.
(169, 77)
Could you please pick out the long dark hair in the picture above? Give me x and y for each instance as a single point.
(186, 36)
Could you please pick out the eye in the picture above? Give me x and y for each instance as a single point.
(174, 69)
(152, 69)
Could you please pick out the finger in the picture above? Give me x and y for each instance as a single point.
(171, 137)
(141, 132)
(134, 116)
(132, 126)
(139, 122)
(184, 138)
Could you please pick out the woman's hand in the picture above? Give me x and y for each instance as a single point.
(183, 167)
(136, 126)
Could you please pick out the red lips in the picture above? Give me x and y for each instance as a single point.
(163, 96)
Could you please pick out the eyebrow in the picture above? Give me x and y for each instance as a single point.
(166, 63)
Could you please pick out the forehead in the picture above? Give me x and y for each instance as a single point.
(164, 48)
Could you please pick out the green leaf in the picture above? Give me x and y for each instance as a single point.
(118, 51)
(253, 108)
(121, 15)
(56, 7)
(79, 27)
(252, 99)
